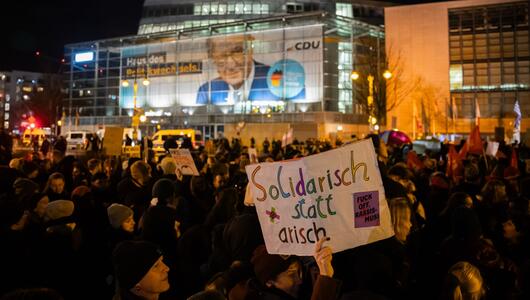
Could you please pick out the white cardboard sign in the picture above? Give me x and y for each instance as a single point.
(338, 194)
(184, 161)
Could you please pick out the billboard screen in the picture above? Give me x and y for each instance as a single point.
(265, 68)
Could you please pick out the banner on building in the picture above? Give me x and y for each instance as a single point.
(338, 194)
(237, 72)
(184, 161)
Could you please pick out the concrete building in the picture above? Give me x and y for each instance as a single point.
(303, 52)
(456, 60)
(25, 94)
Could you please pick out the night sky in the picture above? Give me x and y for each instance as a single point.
(46, 26)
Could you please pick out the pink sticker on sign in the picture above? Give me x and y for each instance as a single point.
(366, 209)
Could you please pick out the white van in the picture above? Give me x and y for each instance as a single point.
(76, 140)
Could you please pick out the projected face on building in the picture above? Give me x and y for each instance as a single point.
(232, 58)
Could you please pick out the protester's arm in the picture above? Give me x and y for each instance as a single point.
(325, 287)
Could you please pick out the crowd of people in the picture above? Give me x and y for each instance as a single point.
(114, 228)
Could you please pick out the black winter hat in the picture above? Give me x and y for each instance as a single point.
(164, 190)
(132, 260)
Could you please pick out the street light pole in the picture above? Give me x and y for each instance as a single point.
(372, 119)
(135, 120)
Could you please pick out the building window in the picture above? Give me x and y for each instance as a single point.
(256, 9)
(247, 8)
(265, 9)
(231, 8)
(214, 8)
(239, 8)
(206, 9)
(455, 77)
(222, 9)
(344, 9)
(197, 9)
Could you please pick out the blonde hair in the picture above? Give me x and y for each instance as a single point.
(168, 165)
(398, 213)
(466, 282)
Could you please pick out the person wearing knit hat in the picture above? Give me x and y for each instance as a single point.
(121, 216)
(164, 191)
(60, 212)
(140, 270)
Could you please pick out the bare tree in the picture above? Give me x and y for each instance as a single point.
(399, 88)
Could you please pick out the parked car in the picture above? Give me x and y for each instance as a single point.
(76, 140)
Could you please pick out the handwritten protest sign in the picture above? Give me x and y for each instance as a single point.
(184, 161)
(338, 193)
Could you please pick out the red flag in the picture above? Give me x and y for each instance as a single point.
(473, 144)
(413, 161)
(477, 113)
(513, 161)
(454, 164)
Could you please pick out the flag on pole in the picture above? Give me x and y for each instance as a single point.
(517, 111)
(454, 167)
(477, 112)
(473, 144)
(516, 137)
(287, 138)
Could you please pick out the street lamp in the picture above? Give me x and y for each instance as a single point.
(372, 119)
(136, 118)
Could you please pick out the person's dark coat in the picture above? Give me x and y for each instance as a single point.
(135, 196)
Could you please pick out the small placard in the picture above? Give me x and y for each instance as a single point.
(366, 209)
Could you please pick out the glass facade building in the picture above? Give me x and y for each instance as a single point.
(300, 63)
(489, 59)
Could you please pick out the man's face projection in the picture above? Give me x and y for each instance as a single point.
(233, 64)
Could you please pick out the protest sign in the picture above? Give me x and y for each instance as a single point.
(338, 194)
(113, 140)
(132, 151)
(184, 161)
(492, 148)
(253, 155)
